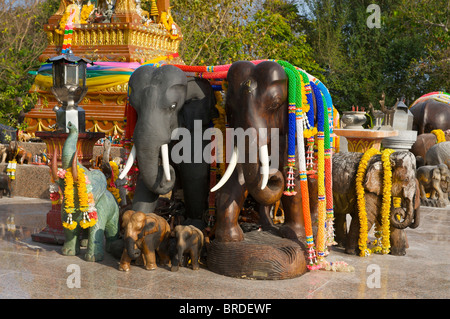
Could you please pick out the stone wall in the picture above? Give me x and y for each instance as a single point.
(34, 180)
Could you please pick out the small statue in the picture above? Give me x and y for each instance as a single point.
(388, 113)
(434, 180)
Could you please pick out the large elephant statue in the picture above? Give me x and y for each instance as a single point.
(102, 202)
(435, 180)
(165, 99)
(423, 143)
(404, 186)
(430, 115)
(438, 154)
(257, 103)
(257, 98)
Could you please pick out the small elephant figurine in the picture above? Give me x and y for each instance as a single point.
(434, 179)
(143, 235)
(189, 240)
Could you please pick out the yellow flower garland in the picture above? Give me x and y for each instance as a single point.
(113, 189)
(440, 135)
(69, 204)
(362, 242)
(86, 200)
(386, 205)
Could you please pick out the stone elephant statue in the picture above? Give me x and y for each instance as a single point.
(422, 144)
(165, 99)
(103, 210)
(404, 186)
(438, 154)
(429, 115)
(434, 179)
(143, 235)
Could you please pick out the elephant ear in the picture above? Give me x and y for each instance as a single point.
(436, 173)
(98, 183)
(373, 181)
(126, 217)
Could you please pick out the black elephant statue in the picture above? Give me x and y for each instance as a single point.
(430, 115)
(165, 99)
(404, 185)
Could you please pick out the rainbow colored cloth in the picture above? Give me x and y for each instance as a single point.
(99, 76)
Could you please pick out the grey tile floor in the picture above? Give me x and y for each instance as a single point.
(32, 270)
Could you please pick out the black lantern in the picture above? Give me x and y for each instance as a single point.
(69, 88)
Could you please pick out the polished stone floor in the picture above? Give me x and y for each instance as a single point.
(34, 270)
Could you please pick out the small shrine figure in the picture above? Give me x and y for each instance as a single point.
(154, 11)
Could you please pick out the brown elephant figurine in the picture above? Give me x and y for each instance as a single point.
(143, 234)
(434, 179)
(189, 240)
(404, 186)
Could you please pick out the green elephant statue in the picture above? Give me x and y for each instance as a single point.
(87, 203)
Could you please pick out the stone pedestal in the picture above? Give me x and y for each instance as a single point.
(261, 255)
(362, 140)
(402, 142)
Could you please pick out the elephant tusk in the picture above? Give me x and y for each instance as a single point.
(165, 160)
(54, 166)
(229, 171)
(264, 159)
(74, 167)
(129, 163)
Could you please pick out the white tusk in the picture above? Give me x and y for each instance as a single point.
(264, 159)
(229, 171)
(129, 163)
(165, 160)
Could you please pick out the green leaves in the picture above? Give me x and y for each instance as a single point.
(223, 31)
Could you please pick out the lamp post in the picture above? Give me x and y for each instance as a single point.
(69, 88)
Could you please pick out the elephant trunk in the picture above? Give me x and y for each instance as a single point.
(159, 178)
(264, 186)
(133, 252)
(398, 214)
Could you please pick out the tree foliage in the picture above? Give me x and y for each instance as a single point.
(407, 56)
(222, 31)
(22, 40)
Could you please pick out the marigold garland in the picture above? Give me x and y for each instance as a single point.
(112, 186)
(440, 135)
(85, 196)
(361, 172)
(386, 204)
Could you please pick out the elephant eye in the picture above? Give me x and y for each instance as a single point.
(275, 103)
(174, 105)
